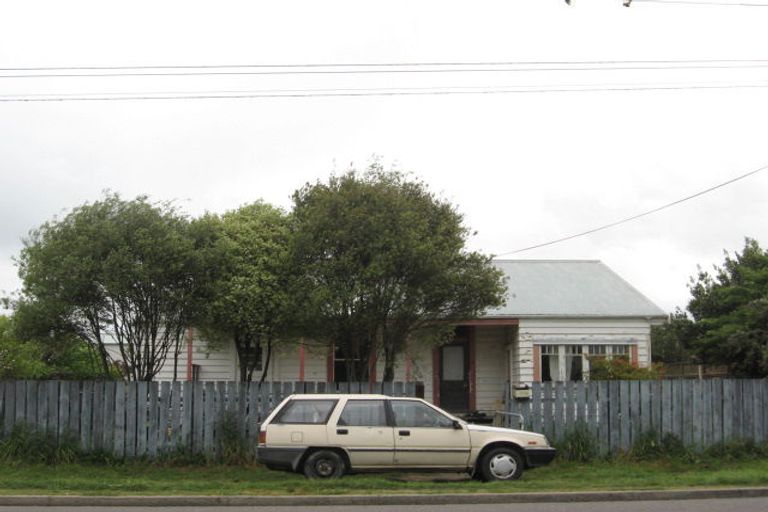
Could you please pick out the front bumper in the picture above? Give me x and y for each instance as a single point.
(535, 457)
(279, 457)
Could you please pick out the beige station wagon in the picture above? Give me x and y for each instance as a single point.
(325, 436)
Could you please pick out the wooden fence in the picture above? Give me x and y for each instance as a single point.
(701, 413)
(135, 419)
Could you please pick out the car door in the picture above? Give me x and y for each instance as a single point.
(363, 430)
(425, 437)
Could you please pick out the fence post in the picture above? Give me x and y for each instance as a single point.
(625, 421)
(646, 410)
(153, 419)
(187, 402)
(559, 418)
(9, 406)
(97, 430)
(118, 447)
(547, 407)
(757, 411)
(536, 412)
(614, 412)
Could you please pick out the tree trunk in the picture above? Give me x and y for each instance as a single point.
(389, 363)
(266, 361)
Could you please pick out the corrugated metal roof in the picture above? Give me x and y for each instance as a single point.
(556, 288)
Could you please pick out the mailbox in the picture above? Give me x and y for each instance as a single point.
(521, 392)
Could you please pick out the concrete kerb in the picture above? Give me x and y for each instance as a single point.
(384, 499)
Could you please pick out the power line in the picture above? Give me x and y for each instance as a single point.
(342, 93)
(390, 64)
(696, 2)
(634, 217)
(390, 68)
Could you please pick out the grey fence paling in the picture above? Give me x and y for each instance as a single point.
(701, 413)
(134, 419)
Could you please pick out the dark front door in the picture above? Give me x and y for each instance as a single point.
(454, 376)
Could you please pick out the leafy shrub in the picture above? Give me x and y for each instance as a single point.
(739, 449)
(25, 444)
(233, 447)
(619, 368)
(651, 446)
(578, 444)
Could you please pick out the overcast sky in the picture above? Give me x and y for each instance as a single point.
(524, 168)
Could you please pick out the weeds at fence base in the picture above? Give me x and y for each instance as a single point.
(27, 445)
(233, 447)
(578, 444)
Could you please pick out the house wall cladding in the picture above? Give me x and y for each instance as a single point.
(701, 413)
(137, 419)
(580, 331)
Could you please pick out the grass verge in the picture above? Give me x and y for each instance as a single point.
(145, 479)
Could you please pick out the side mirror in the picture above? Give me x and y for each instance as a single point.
(456, 425)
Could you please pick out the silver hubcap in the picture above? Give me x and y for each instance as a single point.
(324, 468)
(503, 466)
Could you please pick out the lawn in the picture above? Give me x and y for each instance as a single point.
(146, 479)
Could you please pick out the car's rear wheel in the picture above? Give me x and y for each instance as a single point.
(324, 464)
(501, 464)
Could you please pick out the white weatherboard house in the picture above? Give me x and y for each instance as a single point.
(558, 314)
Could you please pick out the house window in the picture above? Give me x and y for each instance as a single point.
(340, 366)
(571, 362)
(550, 363)
(620, 351)
(597, 351)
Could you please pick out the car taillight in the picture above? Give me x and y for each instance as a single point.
(262, 437)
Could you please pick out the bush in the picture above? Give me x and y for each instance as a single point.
(619, 368)
(739, 449)
(578, 444)
(233, 447)
(25, 444)
(649, 445)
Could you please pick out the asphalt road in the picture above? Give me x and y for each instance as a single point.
(710, 505)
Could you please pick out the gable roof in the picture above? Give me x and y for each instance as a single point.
(568, 288)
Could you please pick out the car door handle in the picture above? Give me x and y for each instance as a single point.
(342, 431)
(404, 433)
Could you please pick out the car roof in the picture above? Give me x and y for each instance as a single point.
(337, 396)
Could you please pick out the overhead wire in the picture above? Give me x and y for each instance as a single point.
(639, 215)
(390, 64)
(332, 93)
(389, 70)
(698, 3)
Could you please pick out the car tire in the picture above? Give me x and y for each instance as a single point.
(324, 464)
(501, 464)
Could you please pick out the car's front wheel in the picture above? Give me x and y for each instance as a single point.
(324, 464)
(501, 464)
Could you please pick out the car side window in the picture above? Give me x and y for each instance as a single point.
(306, 412)
(364, 413)
(409, 413)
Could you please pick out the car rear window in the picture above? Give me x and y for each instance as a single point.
(306, 412)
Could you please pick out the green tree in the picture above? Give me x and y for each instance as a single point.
(251, 291)
(730, 309)
(65, 355)
(672, 341)
(19, 359)
(381, 259)
(124, 272)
